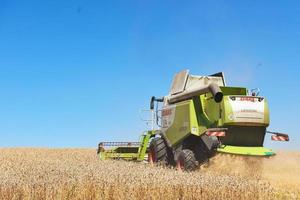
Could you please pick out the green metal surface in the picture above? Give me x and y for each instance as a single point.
(127, 152)
(182, 123)
(234, 90)
(144, 145)
(249, 151)
(114, 155)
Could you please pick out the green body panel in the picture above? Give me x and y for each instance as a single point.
(144, 141)
(267, 114)
(182, 122)
(190, 118)
(234, 91)
(250, 151)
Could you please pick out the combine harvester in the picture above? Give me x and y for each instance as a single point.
(200, 117)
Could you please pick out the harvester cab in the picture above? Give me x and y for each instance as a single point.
(202, 116)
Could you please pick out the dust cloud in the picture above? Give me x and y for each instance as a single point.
(281, 170)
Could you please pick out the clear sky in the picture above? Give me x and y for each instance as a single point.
(73, 73)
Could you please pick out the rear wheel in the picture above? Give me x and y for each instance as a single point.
(186, 161)
(158, 152)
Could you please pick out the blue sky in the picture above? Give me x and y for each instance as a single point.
(73, 73)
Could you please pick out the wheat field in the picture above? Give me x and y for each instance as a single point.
(28, 173)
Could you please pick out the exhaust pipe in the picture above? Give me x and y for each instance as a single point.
(213, 88)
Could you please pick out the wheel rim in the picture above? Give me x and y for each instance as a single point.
(151, 156)
(180, 164)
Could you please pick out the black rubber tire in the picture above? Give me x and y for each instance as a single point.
(158, 151)
(186, 161)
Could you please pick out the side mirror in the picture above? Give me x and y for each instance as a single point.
(153, 98)
(255, 92)
(152, 102)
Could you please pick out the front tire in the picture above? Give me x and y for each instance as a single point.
(158, 152)
(186, 161)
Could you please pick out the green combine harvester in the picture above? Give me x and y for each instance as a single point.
(199, 118)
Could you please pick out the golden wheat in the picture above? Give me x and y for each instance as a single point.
(79, 174)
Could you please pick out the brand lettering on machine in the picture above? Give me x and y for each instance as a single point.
(248, 110)
(247, 99)
(166, 112)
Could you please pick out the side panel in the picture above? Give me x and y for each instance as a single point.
(189, 117)
(200, 107)
(267, 113)
(211, 109)
(195, 128)
(168, 116)
(180, 125)
(185, 118)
